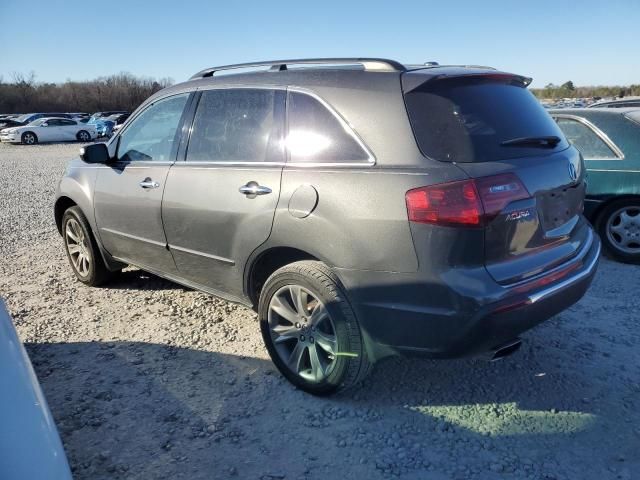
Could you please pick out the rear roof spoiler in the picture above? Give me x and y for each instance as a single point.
(413, 79)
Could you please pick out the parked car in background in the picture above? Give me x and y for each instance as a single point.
(103, 126)
(619, 103)
(30, 445)
(119, 118)
(49, 130)
(108, 113)
(609, 140)
(30, 117)
(362, 207)
(9, 122)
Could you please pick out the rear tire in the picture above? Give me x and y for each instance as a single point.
(83, 136)
(82, 250)
(619, 228)
(29, 138)
(310, 330)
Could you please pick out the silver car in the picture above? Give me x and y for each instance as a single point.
(30, 447)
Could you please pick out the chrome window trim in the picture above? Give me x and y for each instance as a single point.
(599, 133)
(348, 128)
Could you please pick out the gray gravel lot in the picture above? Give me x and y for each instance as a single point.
(148, 380)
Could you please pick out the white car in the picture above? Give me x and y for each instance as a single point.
(49, 129)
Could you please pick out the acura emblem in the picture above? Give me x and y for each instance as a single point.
(573, 173)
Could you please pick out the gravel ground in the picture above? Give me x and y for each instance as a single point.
(146, 379)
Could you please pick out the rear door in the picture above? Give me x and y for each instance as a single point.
(49, 131)
(128, 191)
(490, 125)
(68, 129)
(219, 202)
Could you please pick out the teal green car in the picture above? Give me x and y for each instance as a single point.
(609, 140)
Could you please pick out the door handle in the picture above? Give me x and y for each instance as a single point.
(252, 189)
(148, 183)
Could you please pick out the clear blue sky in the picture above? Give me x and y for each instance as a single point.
(589, 42)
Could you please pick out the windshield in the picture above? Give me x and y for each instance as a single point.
(37, 122)
(478, 119)
(23, 118)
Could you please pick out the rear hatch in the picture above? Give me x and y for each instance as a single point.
(529, 179)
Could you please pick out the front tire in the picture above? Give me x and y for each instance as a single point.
(619, 229)
(29, 138)
(83, 136)
(310, 330)
(82, 250)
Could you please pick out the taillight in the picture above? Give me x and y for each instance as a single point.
(471, 203)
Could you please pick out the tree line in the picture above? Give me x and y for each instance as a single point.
(569, 90)
(116, 92)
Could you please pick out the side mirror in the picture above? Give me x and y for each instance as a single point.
(45, 124)
(95, 153)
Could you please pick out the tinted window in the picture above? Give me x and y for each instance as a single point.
(317, 135)
(585, 139)
(466, 120)
(153, 134)
(234, 125)
(67, 122)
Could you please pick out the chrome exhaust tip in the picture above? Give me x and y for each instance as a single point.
(505, 350)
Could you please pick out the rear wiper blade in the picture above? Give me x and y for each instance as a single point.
(542, 142)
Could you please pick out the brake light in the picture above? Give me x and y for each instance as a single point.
(471, 203)
(499, 191)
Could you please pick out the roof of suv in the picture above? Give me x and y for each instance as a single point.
(332, 70)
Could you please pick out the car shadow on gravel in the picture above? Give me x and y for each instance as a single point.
(140, 410)
(135, 279)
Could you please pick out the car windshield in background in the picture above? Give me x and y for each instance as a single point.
(37, 122)
(480, 120)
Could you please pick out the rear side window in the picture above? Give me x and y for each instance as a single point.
(235, 125)
(586, 140)
(467, 119)
(316, 135)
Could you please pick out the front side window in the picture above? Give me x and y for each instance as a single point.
(586, 140)
(152, 136)
(316, 135)
(235, 125)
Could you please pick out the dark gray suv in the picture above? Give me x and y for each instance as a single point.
(362, 207)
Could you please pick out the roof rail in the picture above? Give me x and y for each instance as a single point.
(369, 64)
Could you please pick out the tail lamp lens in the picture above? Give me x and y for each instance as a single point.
(465, 203)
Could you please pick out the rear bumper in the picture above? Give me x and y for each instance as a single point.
(467, 313)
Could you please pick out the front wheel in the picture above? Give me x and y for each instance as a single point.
(82, 250)
(310, 330)
(619, 228)
(83, 136)
(29, 138)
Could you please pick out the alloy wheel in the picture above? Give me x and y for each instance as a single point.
(83, 136)
(303, 332)
(623, 229)
(29, 139)
(77, 247)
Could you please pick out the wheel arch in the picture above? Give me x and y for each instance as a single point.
(267, 261)
(62, 204)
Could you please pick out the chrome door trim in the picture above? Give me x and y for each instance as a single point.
(599, 133)
(134, 237)
(224, 260)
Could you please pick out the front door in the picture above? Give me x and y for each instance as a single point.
(219, 204)
(128, 192)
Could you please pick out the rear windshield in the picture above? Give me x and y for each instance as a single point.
(466, 120)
